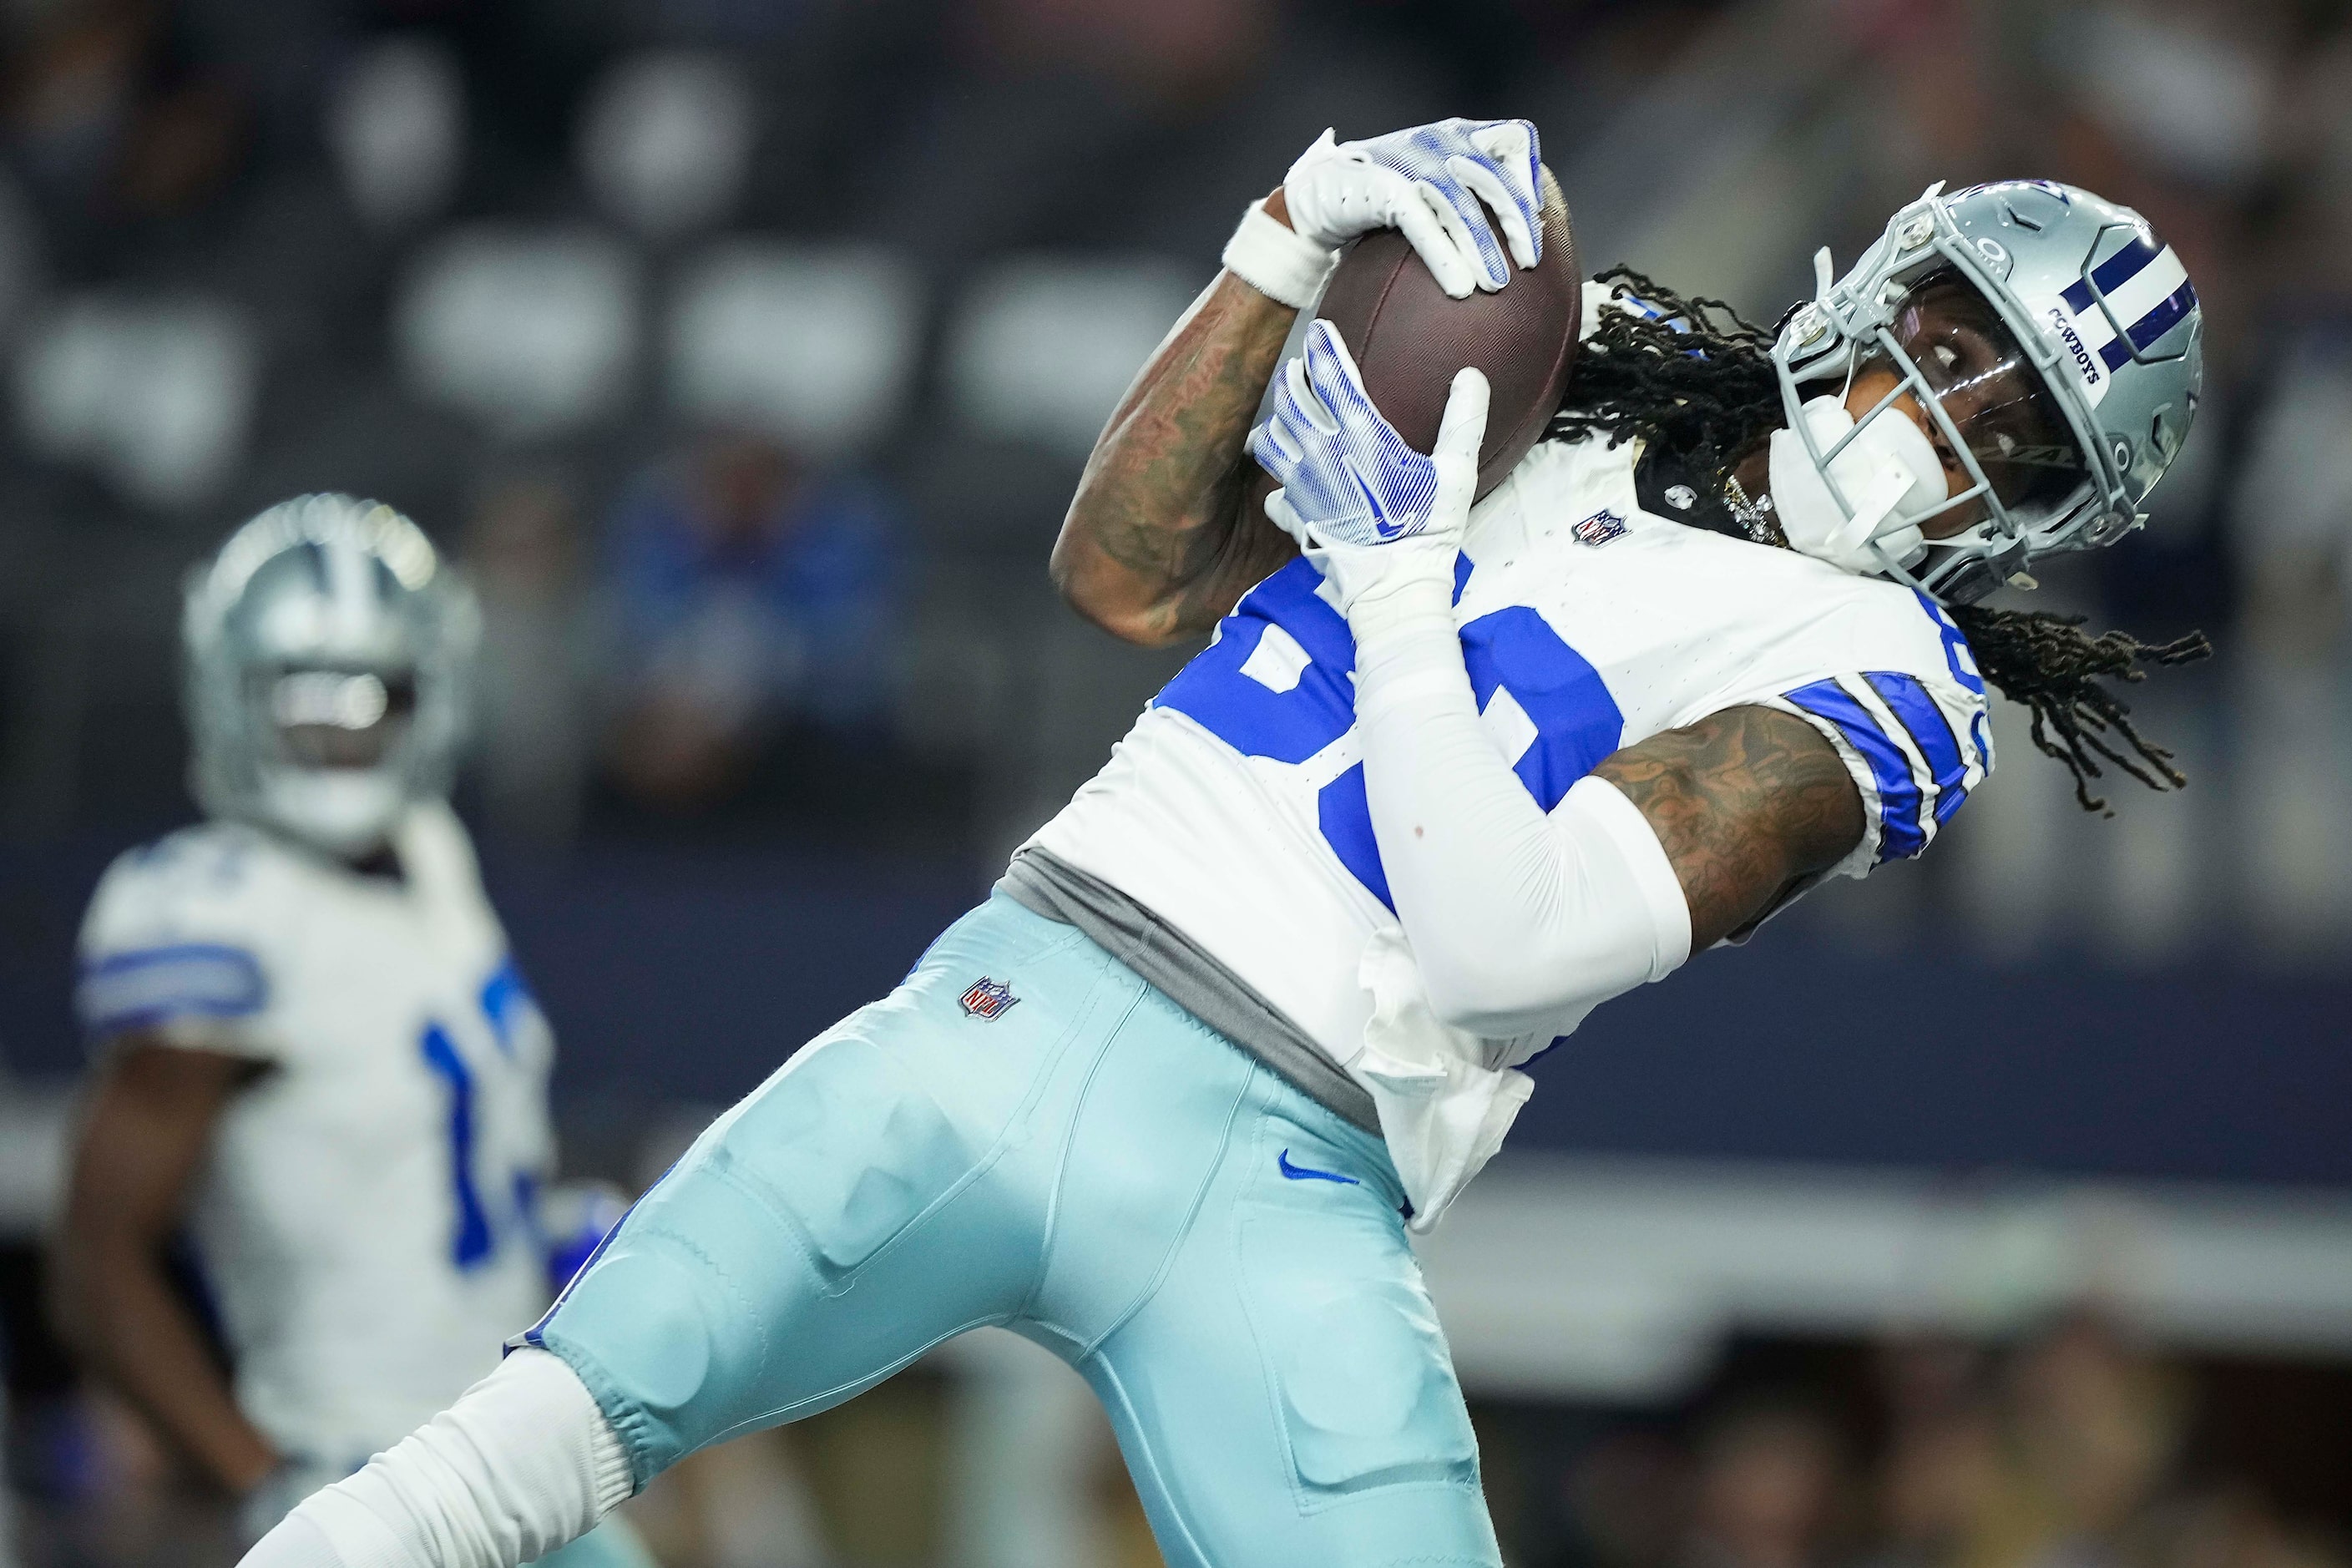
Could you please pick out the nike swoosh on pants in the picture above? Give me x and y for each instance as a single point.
(1308, 1174)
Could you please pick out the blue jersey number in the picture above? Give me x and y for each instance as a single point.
(476, 1238)
(473, 1243)
(1276, 684)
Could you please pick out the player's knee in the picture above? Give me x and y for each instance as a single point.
(669, 1329)
(681, 1326)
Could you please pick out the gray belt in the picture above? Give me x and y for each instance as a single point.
(1189, 974)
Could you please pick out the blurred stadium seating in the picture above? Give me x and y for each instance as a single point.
(1866, 1245)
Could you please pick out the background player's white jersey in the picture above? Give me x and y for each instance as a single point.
(1235, 808)
(365, 1220)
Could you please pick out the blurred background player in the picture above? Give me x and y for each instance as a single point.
(312, 1048)
(227, 229)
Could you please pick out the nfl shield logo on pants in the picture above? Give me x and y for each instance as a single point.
(988, 999)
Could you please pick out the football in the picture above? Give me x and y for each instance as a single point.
(1410, 338)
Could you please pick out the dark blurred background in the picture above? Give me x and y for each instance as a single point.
(746, 352)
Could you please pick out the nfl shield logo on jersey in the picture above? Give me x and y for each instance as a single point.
(1599, 529)
(989, 999)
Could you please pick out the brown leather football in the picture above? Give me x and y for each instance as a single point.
(1410, 338)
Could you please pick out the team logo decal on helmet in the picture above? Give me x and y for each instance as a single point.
(2053, 344)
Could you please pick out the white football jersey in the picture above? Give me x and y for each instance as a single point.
(1235, 807)
(365, 1218)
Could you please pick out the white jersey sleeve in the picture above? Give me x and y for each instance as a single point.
(174, 943)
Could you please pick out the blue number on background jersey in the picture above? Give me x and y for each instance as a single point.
(1276, 684)
(471, 1245)
(503, 996)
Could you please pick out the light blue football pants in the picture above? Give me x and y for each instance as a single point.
(1223, 1259)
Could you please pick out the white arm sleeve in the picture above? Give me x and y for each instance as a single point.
(1515, 917)
(523, 1463)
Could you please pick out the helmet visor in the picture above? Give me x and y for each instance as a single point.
(327, 718)
(1987, 386)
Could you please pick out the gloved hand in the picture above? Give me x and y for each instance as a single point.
(1428, 181)
(1371, 512)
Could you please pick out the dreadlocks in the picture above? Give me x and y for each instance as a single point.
(1695, 378)
(2051, 665)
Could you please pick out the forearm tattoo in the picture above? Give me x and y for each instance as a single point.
(1158, 541)
(1746, 802)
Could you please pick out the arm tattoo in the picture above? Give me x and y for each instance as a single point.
(1746, 802)
(1166, 527)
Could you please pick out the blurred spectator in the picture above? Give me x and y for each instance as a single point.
(1768, 1492)
(1942, 1451)
(751, 592)
(523, 546)
(116, 117)
(1628, 1497)
(2093, 1423)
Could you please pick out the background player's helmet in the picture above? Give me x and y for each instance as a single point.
(2054, 343)
(328, 654)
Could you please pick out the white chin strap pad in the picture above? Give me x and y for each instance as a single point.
(1888, 474)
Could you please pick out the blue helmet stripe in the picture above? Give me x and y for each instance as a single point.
(1930, 732)
(1900, 836)
(2113, 275)
(2125, 264)
(2163, 319)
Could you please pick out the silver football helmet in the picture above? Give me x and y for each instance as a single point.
(2055, 344)
(328, 654)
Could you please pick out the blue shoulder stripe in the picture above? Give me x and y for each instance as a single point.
(1930, 732)
(148, 985)
(1900, 836)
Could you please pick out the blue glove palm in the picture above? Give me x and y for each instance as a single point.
(1347, 477)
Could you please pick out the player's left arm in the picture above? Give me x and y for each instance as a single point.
(145, 1134)
(1746, 802)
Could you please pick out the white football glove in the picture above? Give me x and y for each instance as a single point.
(1429, 182)
(1370, 511)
